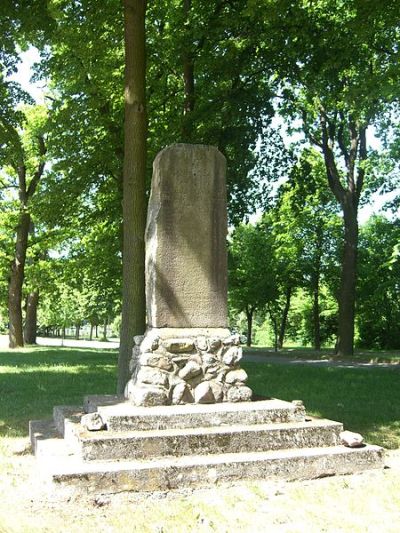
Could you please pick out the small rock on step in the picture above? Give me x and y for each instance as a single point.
(93, 422)
(351, 440)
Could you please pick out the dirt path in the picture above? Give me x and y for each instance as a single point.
(357, 503)
(286, 360)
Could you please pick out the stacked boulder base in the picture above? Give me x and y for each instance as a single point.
(194, 367)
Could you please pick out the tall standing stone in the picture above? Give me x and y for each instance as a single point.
(186, 270)
(187, 350)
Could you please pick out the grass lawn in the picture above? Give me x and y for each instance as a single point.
(33, 380)
(365, 400)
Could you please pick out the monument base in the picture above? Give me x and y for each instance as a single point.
(173, 366)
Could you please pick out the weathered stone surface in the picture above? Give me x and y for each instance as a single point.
(156, 360)
(350, 439)
(178, 345)
(215, 344)
(190, 370)
(235, 376)
(232, 355)
(203, 393)
(182, 394)
(217, 390)
(196, 358)
(202, 343)
(152, 376)
(232, 339)
(134, 359)
(239, 394)
(148, 396)
(92, 422)
(124, 416)
(138, 339)
(186, 273)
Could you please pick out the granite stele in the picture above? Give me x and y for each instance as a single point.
(187, 418)
(187, 354)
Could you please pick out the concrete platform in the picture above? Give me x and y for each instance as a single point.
(170, 457)
(124, 416)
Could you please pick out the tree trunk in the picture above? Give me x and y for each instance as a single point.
(77, 331)
(249, 316)
(285, 314)
(32, 302)
(96, 333)
(316, 318)
(347, 292)
(91, 332)
(315, 290)
(16, 280)
(188, 76)
(105, 329)
(134, 178)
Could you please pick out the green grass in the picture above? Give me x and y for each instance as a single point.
(33, 380)
(365, 400)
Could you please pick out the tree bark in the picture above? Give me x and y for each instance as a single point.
(249, 316)
(77, 331)
(347, 292)
(16, 280)
(105, 329)
(188, 76)
(348, 197)
(30, 331)
(91, 332)
(134, 178)
(285, 314)
(315, 289)
(316, 317)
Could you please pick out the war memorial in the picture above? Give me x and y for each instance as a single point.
(188, 418)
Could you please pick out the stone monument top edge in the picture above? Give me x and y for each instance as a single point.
(188, 146)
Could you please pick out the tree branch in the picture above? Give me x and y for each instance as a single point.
(40, 169)
(330, 163)
(363, 157)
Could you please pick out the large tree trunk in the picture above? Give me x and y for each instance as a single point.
(348, 197)
(134, 198)
(285, 314)
(316, 317)
(347, 293)
(188, 76)
(30, 331)
(249, 316)
(16, 336)
(315, 290)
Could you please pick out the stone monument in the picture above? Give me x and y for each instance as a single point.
(187, 354)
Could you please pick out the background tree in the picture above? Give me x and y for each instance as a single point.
(23, 160)
(252, 271)
(337, 68)
(378, 312)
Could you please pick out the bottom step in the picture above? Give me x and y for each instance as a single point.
(197, 471)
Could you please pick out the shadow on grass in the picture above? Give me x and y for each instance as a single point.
(365, 400)
(33, 381)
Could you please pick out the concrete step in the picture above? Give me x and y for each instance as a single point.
(47, 442)
(124, 416)
(196, 471)
(110, 445)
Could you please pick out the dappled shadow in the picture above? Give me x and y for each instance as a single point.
(32, 383)
(365, 400)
